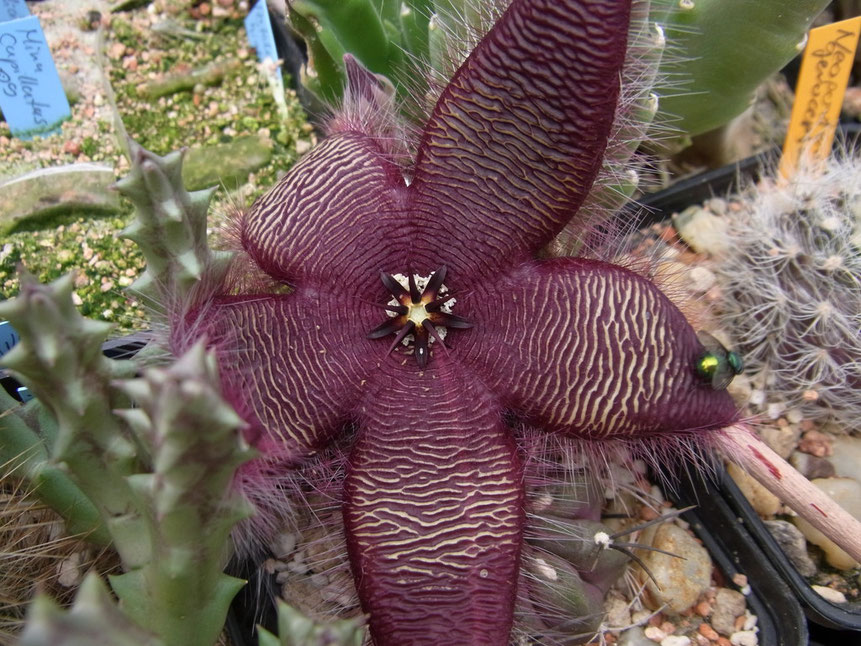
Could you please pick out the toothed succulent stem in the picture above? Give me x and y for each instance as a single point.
(170, 229)
(295, 629)
(24, 453)
(59, 358)
(182, 592)
(165, 497)
(94, 620)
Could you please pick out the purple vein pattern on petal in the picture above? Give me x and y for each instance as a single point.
(591, 349)
(433, 508)
(293, 374)
(335, 219)
(516, 138)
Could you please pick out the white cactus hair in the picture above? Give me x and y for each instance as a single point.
(792, 288)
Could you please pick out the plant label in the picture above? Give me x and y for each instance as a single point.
(260, 36)
(8, 337)
(825, 68)
(12, 9)
(31, 95)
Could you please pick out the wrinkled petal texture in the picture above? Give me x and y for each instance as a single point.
(334, 220)
(591, 349)
(516, 139)
(294, 365)
(433, 508)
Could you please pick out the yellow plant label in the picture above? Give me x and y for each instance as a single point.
(822, 82)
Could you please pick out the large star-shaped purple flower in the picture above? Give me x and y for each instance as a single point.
(433, 500)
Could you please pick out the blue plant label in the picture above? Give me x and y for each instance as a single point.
(12, 9)
(260, 35)
(24, 394)
(8, 337)
(31, 95)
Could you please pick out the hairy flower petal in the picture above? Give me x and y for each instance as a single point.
(294, 365)
(592, 349)
(335, 219)
(433, 508)
(516, 139)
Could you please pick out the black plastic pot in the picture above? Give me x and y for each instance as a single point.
(728, 525)
(843, 617)
(660, 205)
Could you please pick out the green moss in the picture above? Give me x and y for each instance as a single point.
(240, 106)
(103, 266)
(89, 146)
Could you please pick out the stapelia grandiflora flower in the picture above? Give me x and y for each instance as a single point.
(421, 318)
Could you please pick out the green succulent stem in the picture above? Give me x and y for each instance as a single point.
(729, 47)
(59, 358)
(24, 454)
(155, 455)
(196, 448)
(94, 620)
(170, 230)
(165, 498)
(295, 629)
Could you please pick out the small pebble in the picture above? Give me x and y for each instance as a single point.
(708, 632)
(744, 638)
(717, 205)
(702, 278)
(72, 147)
(815, 443)
(618, 611)
(703, 231)
(728, 605)
(634, 636)
(298, 567)
(116, 50)
(655, 634)
(678, 582)
(792, 542)
(283, 545)
(676, 640)
(829, 594)
(812, 467)
(69, 575)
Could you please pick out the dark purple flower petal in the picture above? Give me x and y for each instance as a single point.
(433, 508)
(335, 219)
(516, 138)
(293, 365)
(591, 349)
